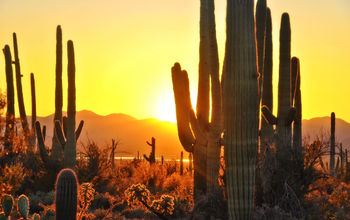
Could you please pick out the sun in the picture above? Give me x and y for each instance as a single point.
(165, 109)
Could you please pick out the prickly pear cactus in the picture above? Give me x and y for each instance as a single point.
(23, 206)
(7, 204)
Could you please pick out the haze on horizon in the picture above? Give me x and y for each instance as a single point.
(124, 51)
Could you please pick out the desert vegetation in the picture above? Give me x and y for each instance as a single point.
(243, 161)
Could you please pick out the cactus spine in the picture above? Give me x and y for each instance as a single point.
(197, 135)
(23, 206)
(240, 108)
(332, 153)
(66, 195)
(152, 156)
(57, 150)
(22, 111)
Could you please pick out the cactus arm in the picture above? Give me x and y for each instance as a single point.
(183, 106)
(70, 148)
(44, 132)
(260, 19)
(290, 116)
(79, 129)
(56, 148)
(41, 144)
(32, 86)
(10, 102)
(268, 116)
(59, 134)
(21, 106)
(147, 158)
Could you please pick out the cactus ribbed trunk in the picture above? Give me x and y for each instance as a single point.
(284, 94)
(240, 108)
(332, 153)
(267, 132)
(10, 101)
(297, 127)
(66, 199)
(70, 148)
(22, 111)
(57, 150)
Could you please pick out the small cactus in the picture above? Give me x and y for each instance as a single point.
(7, 204)
(36, 216)
(152, 157)
(66, 195)
(182, 163)
(23, 206)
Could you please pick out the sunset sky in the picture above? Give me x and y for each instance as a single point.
(126, 48)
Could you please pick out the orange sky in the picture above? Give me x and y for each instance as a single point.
(125, 49)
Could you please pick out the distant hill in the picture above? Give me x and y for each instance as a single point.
(316, 126)
(134, 133)
(131, 132)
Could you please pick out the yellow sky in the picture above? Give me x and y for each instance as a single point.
(125, 49)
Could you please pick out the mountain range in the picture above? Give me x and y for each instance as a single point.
(132, 133)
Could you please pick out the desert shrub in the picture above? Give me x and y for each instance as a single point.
(101, 201)
(40, 200)
(11, 178)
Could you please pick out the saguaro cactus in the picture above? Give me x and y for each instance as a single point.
(21, 107)
(297, 128)
(240, 108)
(152, 156)
(332, 153)
(341, 159)
(57, 150)
(66, 195)
(10, 113)
(197, 135)
(266, 131)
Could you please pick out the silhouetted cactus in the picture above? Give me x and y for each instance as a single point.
(341, 160)
(152, 156)
(332, 149)
(32, 87)
(296, 94)
(162, 160)
(10, 113)
(240, 108)
(7, 204)
(196, 134)
(260, 23)
(57, 150)
(267, 132)
(66, 200)
(21, 107)
(182, 163)
(67, 135)
(190, 163)
(23, 206)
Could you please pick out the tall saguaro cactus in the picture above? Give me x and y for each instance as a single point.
(22, 111)
(56, 147)
(32, 89)
(196, 133)
(10, 113)
(332, 153)
(266, 131)
(240, 108)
